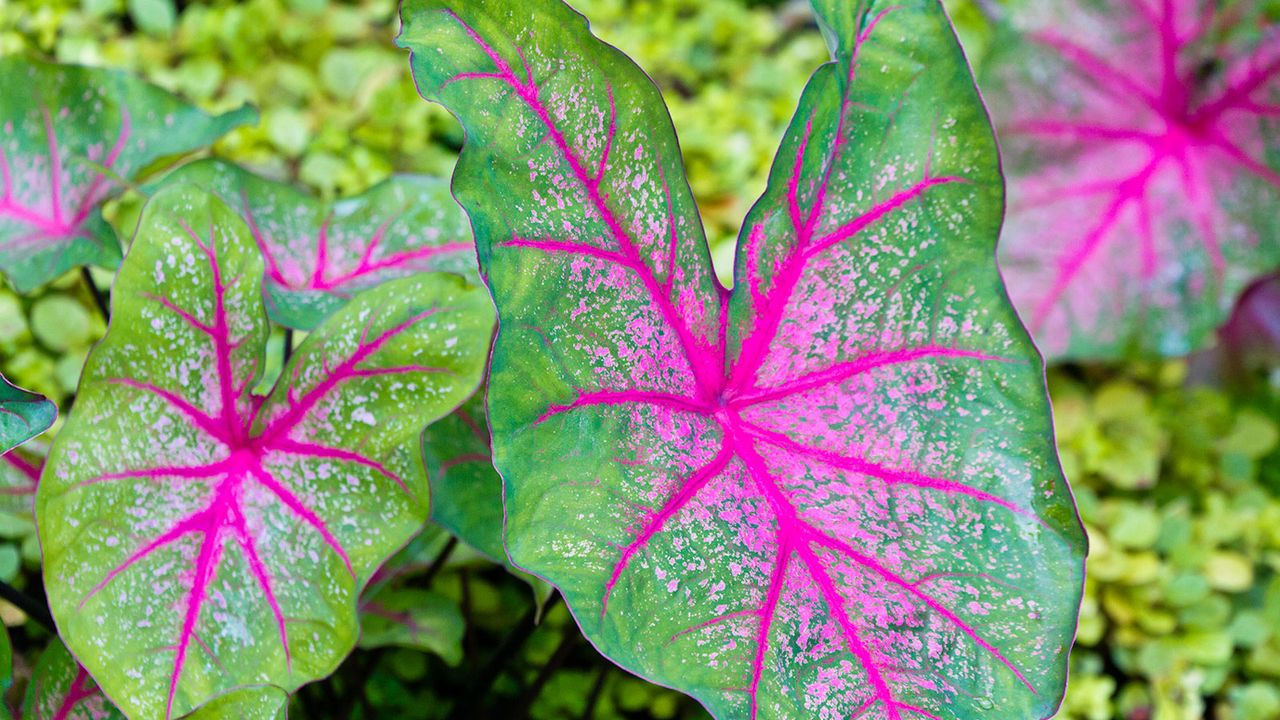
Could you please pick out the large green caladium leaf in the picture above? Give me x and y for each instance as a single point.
(23, 415)
(1143, 144)
(832, 492)
(198, 538)
(69, 137)
(319, 254)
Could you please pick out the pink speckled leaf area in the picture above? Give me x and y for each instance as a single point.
(1143, 146)
(199, 538)
(320, 254)
(70, 137)
(829, 493)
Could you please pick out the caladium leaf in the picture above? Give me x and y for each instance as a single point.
(61, 689)
(466, 492)
(231, 533)
(319, 254)
(69, 137)
(1143, 144)
(23, 415)
(830, 493)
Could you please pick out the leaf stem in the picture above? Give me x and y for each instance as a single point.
(597, 688)
(98, 299)
(568, 642)
(34, 609)
(437, 564)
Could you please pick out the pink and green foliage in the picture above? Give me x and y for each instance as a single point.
(831, 492)
(70, 137)
(61, 689)
(1142, 140)
(320, 254)
(23, 415)
(198, 537)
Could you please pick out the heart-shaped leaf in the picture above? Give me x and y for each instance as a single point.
(830, 493)
(1143, 144)
(69, 137)
(319, 254)
(23, 415)
(197, 537)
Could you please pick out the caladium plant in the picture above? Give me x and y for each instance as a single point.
(319, 254)
(70, 137)
(1143, 142)
(831, 492)
(229, 534)
(23, 415)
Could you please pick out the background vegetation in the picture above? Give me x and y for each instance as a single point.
(1176, 466)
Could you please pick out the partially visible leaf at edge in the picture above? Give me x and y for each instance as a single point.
(1142, 141)
(23, 415)
(231, 533)
(832, 492)
(61, 689)
(6, 671)
(68, 136)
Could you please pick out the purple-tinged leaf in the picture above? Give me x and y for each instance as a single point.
(229, 533)
(320, 254)
(23, 415)
(1141, 139)
(830, 493)
(412, 618)
(69, 138)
